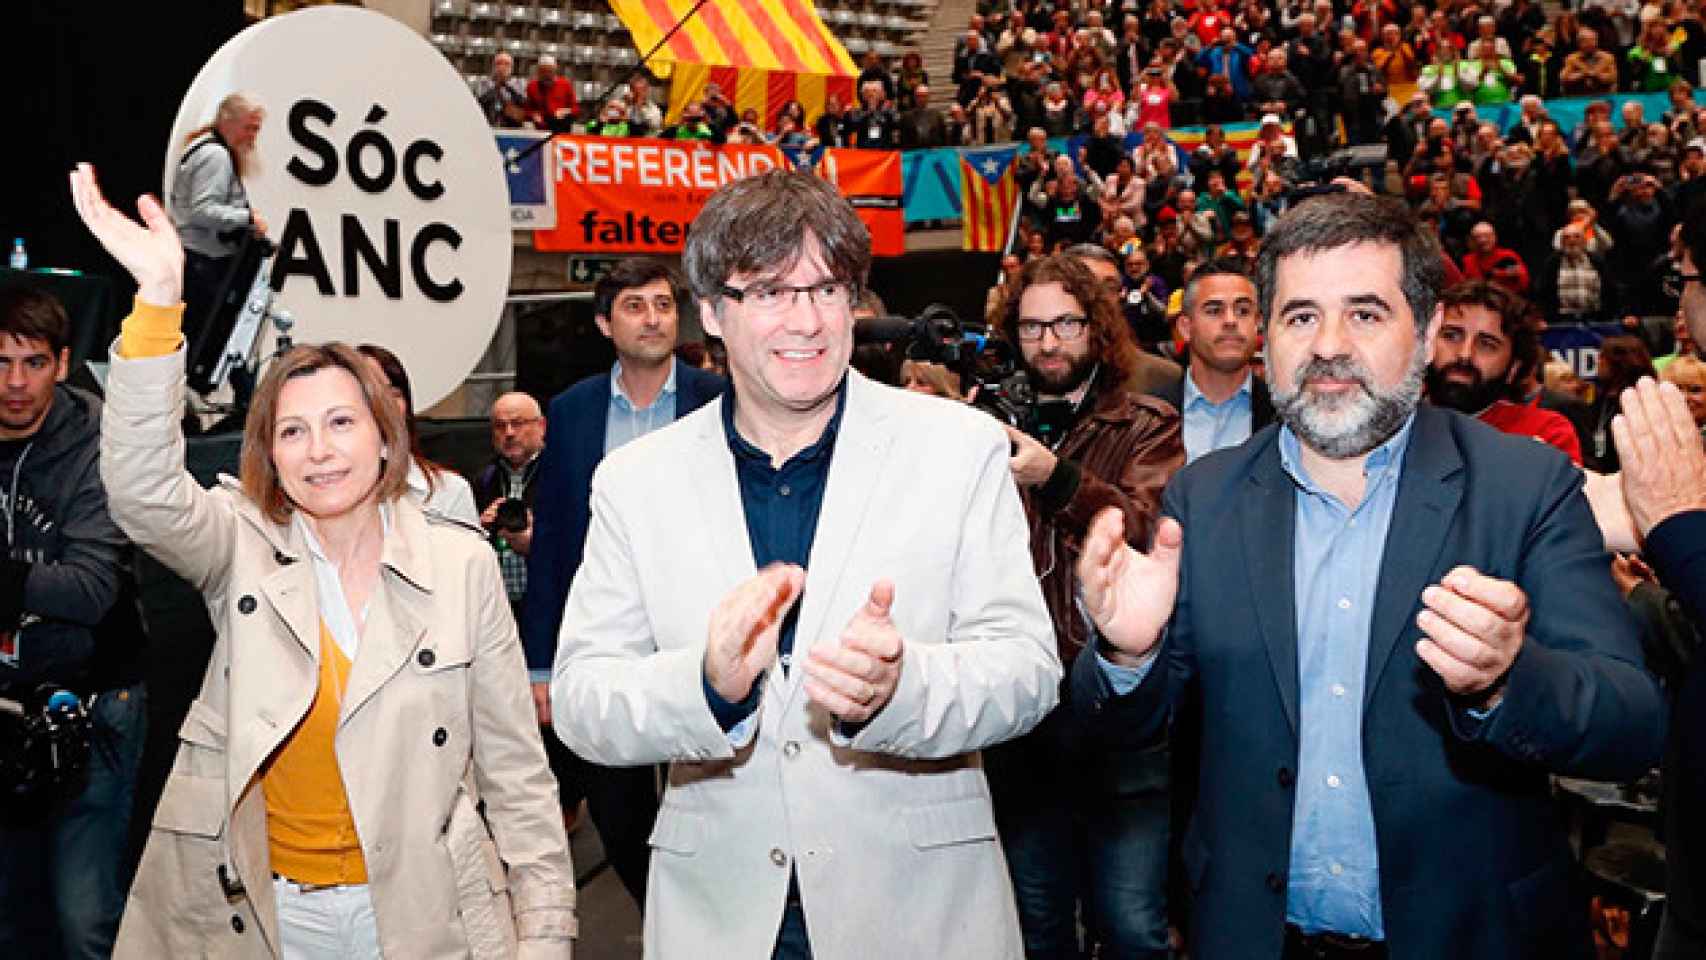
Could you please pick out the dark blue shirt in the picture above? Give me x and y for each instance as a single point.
(782, 505)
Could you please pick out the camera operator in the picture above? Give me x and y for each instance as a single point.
(504, 489)
(68, 623)
(1066, 807)
(209, 206)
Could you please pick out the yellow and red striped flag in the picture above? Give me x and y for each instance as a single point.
(767, 34)
(989, 198)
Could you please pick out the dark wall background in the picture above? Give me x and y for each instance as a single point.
(99, 82)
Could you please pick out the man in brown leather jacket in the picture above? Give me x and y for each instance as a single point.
(1082, 824)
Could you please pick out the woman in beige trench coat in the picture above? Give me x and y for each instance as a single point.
(340, 607)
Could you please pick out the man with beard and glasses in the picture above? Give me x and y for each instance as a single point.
(1486, 345)
(1084, 827)
(1397, 622)
(1221, 400)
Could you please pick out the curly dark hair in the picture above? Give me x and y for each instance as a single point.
(1110, 338)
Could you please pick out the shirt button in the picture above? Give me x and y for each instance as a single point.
(791, 749)
(778, 857)
(785, 490)
(1334, 781)
(1344, 603)
(1353, 521)
(1337, 869)
(1276, 883)
(1338, 689)
(1285, 778)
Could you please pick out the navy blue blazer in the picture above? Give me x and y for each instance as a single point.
(574, 445)
(1474, 862)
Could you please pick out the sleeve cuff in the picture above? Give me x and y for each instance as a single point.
(1123, 680)
(151, 330)
(730, 715)
(1060, 487)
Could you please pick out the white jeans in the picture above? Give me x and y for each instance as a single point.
(329, 924)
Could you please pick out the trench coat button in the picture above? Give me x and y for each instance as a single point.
(236, 923)
(282, 559)
(791, 749)
(439, 736)
(778, 857)
(246, 604)
(1276, 883)
(426, 658)
(1285, 777)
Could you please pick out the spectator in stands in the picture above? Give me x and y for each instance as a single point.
(501, 96)
(1214, 153)
(1634, 132)
(1396, 60)
(1657, 155)
(1653, 64)
(1519, 22)
(990, 115)
(1167, 257)
(1531, 110)
(831, 128)
(1220, 103)
(692, 125)
(1639, 217)
(1059, 115)
(436, 487)
(1573, 285)
(1407, 128)
(1490, 76)
(908, 78)
(1310, 57)
(1131, 53)
(874, 125)
(645, 117)
(1084, 828)
(1157, 163)
(1486, 344)
(922, 126)
(1486, 35)
(1221, 199)
(612, 120)
(1272, 153)
(1143, 298)
(974, 24)
(518, 436)
(1230, 59)
(1541, 66)
(873, 69)
(1104, 93)
(1069, 217)
(1691, 175)
(1589, 70)
(1208, 22)
(791, 128)
(719, 112)
(1278, 90)
(1441, 79)
(1597, 240)
(1198, 229)
(1101, 152)
(1602, 165)
(551, 100)
(1362, 91)
(1152, 101)
(974, 62)
(957, 127)
(1680, 116)
(1485, 259)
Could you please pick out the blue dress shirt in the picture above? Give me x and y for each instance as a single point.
(1209, 426)
(625, 422)
(782, 505)
(1334, 879)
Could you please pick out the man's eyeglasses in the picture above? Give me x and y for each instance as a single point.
(1067, 326)
(1674, 281)
(767, 297)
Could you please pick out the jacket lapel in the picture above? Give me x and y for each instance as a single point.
(1429, 491)
(394, 626)
(712, 466)
(1268, 517)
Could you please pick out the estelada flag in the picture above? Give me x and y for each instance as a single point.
(870, 180)
(989, 198)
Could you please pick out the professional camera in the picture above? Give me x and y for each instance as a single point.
(511, 516)
(44, 750)
(983, 361)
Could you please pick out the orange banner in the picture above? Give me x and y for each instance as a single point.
(618, 195)
(871, 181)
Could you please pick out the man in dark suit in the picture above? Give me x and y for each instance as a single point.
(635, 305)
(1220, 399)
(1399, 623)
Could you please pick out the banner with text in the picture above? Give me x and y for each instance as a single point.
(638, 196)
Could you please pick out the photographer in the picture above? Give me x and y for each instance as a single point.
(1077, 820)
(504, 489)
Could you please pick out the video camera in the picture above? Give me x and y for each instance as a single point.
(984, 362)
(45, 738)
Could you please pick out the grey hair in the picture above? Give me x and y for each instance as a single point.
(1092, 251)
(760, 224)
(1336, 220)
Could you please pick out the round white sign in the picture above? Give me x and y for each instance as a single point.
(379, 180)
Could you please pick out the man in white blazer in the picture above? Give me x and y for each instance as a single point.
(813, 598)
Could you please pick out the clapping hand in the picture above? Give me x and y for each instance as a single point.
(1475, 626)
(741, 642)
(1129, 594)
(855, 679)
(149, 250)
(1664, 465)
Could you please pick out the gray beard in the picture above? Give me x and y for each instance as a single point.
(1342, 427)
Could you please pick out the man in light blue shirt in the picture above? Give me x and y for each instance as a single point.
(1399, 625)
(1220, 399)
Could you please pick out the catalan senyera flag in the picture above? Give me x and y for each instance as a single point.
(989, 197)
(764, 52)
